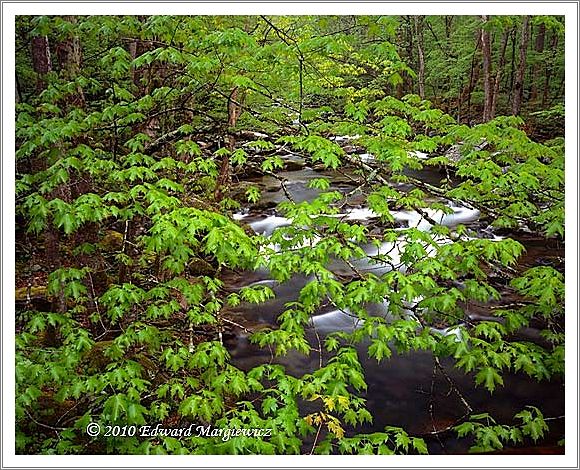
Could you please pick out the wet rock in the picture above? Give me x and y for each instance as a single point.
(272, 189)
(453, 153)
(352, 149)
(237, 191)
(248, 172)
(253, 135)
(319, 167)
(263, 205)
(293, 163)
(356, 199)
(203, 145)
(33, 298)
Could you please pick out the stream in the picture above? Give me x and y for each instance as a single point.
(403, 390)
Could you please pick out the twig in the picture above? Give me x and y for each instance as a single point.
(445, 429)
(70, 409)
(431, 402)
(47, 426)
(282, 182)
(237, 325)
(316, 438)
(553, 418)
(191, 348)
(319, 348)
(353, 267)
(452, 385)
(96, 302)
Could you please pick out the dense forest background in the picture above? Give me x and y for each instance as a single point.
(149, 149)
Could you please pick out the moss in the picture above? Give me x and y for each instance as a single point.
(150, 368)
(112, 241)
(34, 292)
(247, 228)
(200, 267)
(97, 359)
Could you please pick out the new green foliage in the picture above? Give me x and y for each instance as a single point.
(116, 191)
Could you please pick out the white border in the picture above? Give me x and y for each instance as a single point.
(10, 10)
(287, 8)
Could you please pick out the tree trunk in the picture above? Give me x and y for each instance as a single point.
(68, 53)
(519, 83)
(539, 47)
(41, 60)
(487, 84)
(418, 26)
(500, 67)
(69, 60)
(145, 80)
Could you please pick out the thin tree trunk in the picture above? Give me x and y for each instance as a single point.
(513, 65)
(500, 67)
(410, 56)
(539, 46)
(549, 66)
(69, 59)
(473, 79)
(142, 79)
(487, 84)
(519, 84)
(560, 91)
(418, 26)
(401, 39)
(42, 64)
(234, 111)
(17, 92)
(448, 22)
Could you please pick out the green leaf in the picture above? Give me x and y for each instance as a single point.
(379, 350)
(419, 445)
(115, 407)
(489, 377)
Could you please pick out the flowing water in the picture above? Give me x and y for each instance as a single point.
(405, 390)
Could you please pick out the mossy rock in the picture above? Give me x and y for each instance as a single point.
(34, 292)
(247, 229)
(150, 367)
(237, 191)
(96, 356)
(97, 360)
(112, 241)
(200, 267)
